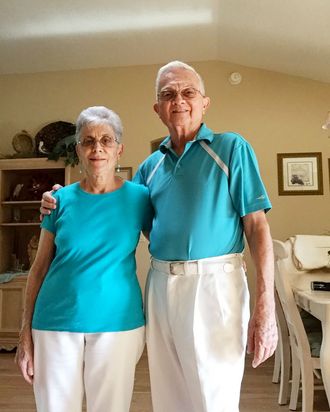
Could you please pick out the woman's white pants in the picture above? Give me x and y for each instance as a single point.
(100, 364)
(197, 317)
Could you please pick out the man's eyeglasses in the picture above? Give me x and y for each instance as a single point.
(105, 141)
(188, 93)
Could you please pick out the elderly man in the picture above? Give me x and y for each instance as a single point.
(207, 193)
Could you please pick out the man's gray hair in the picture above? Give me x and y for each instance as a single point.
(176, 64)
(99, 115)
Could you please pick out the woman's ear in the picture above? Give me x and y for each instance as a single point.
(120, 149)
(77, 149)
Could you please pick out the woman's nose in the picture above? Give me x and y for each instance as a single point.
(97, 145)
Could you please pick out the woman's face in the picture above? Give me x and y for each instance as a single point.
(97, 149)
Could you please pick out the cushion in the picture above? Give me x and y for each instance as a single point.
(313, 329)
(311, 251)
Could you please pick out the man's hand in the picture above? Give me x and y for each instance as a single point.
(24, 356)
(48, 202)
(262, 334)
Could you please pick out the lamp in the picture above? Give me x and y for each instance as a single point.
(326, 125)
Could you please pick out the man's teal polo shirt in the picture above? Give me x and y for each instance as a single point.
(200, 197)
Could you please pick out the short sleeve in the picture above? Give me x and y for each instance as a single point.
(138, 178)
(49, 221)
(245, 184)
(148, 216)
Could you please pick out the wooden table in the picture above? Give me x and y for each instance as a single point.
(318, 304)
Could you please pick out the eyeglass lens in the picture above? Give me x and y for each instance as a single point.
(170, 94)
(105, 141)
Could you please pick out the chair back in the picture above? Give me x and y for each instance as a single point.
(285, 274)
(304, 364)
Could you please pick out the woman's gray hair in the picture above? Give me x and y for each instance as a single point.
(99, 115)
(176, 64)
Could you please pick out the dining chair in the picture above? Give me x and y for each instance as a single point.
(282, 364)
(304, 361)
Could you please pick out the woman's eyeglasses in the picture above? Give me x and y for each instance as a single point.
(105, 141)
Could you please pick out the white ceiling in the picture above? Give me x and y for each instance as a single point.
(289, 36)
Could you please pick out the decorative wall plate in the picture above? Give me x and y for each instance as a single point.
(22, 142)
(51, 134)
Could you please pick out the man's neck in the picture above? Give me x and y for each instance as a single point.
(180, 137)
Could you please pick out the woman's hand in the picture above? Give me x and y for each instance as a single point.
(24, 356)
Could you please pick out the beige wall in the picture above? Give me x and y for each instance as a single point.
(275, 112)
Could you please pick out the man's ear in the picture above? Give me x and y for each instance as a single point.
(206, 103)
(156, 108)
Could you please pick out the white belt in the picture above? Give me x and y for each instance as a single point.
(225, 263)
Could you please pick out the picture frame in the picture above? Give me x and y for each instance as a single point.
(125, 173)
(154, 144)
(299, 174)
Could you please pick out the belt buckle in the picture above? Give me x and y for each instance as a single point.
(174, 266)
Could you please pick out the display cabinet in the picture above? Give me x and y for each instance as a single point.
(11, 309)
(22, 181)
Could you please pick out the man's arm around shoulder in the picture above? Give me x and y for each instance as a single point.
(48, 202)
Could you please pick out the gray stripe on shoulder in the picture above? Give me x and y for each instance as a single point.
(215, 157)
(155, 169)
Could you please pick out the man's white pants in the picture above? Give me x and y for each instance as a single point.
(197, 317)
(101, 364)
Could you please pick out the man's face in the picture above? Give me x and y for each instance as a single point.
(181, 111)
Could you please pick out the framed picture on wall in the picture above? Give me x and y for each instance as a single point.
(124, 172)
(154, 144)
(300, 174)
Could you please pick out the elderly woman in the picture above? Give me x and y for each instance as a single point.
(83, 324)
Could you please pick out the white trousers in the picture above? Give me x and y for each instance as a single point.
(197, 317)
(101, 364)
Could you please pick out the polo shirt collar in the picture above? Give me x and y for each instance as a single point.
(204, 133)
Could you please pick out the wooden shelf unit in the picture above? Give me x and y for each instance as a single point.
(19, 221)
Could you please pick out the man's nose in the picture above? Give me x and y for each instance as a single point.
(178, 97)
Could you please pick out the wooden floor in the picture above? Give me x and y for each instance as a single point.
(258, 392)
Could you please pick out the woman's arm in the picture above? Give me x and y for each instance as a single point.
(44, 256)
